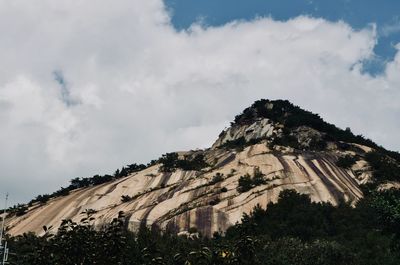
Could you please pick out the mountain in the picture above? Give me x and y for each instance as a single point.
(272, 146)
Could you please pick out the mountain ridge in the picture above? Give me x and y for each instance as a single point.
(270, 147)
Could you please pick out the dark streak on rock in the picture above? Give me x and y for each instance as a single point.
(222, 221)
(307, 174)
(226, 161)
(285, 165)
(344, 172)
(337, 195)
(164, 179)
(150, 181)
(126, 220)
(166, 196)
(339, 181)
(187, 220)
(172, 227)
(112, 187)
(196, 193)
(143, 219)
(302, 169)
(204, 220)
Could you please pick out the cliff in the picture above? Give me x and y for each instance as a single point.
(261, 154)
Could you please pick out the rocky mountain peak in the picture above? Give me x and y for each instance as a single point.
(279, 122)
(272, 146)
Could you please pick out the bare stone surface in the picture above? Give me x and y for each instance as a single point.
(182, 200)
(261, 128)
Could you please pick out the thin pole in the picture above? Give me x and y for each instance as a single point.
(3, 250)
(4, 220)
(5, 254)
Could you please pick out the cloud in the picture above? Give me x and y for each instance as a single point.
(64, 90)
(145, 89)
(389, 29)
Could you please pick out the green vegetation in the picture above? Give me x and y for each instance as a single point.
(171, 161)
(215, 201)
(17, 210)
(240, 143)
(346, 161)
(224, 189)
(78, 183)
(217, 178)
(247, 182)
(292, 116)
(285, 140)
(294, 230)
(385, 167)
(289, 140)
(126, 198)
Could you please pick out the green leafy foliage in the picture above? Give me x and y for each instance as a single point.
(78, 183)
(285, 140)
(17, 210)
(292, 116)
(246, 182)
(224, 189)
(126, 198)
(215, 201)
(294, 230)
(387, 206)
(346, 161)
(240, 143)
(385, 168)
(171, 161)
(217, 178)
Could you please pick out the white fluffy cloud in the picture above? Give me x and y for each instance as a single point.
(131, 88)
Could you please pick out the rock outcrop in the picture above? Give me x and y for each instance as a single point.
(259, 129)
(209, 199)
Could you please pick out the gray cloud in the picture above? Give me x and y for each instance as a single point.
(389, 29)
(64, 90)
(144, 89)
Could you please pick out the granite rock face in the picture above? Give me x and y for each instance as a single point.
(209, 199)
(185, 199)
(261, 128)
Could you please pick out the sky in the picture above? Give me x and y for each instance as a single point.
(86, 89)
(357, 13)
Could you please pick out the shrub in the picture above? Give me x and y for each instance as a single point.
(292, 116)
(247, 182)
(385, 168)
(171, 162)
(126, 198)
(193, 230)
(195, 163)
(217, 178)
(215, 201)
(42, 198)
(18, 210)
(285, 140)
(237, 144)
(240, 143)
(258, 177)
(346, 161)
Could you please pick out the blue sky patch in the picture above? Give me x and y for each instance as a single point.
(358, 13)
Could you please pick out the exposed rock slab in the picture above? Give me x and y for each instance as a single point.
(185, 199)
